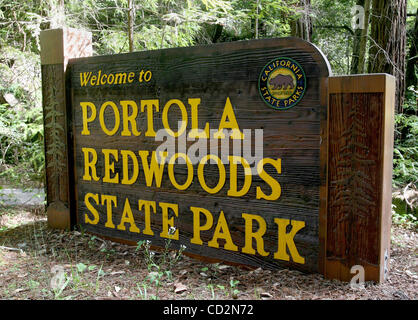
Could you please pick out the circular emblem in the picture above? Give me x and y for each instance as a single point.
(282, 83)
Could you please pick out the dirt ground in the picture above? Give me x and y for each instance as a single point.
(41, 263)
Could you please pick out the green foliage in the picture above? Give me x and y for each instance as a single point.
(21, 146)
(21, 122)
(159, 265)
(167, 23)
(81, 267)
(21, 23)
(157, 23)
(405, 158)
(333, 33)
(233, 288)
(403, 214)
(272, 17)
(405, 161)
(162, 24)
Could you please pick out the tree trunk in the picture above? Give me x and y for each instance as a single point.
(360, 41)
(218, 33)
(302, 27)
(131, 25)
(256, 20)
(411, 77)
(57, 14)
(388, 43)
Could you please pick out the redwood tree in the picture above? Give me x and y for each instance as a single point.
(360, 40)
(411, 78)
(388, 43)
(302, 27)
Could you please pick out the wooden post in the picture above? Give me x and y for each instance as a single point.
(57, 47)
(131, 25)
(360, 149)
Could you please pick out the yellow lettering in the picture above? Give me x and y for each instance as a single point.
(147, 75)
(131, 77)
(127, 216)
(103, 77)
(166, 222)
(171, 175)
(84, 78)
(154, 169)
(116, 116)
(125, 167)
(90, 165)
(149, 104)
(108, 78)
(222, 232)
(194, 132)
(233, 192)
(183, 117)
(91, 208)
(229, 121)
(120, 78)
(129, 118)
(201, 174)
(147, 209)
(197, 228)
(276, 190)
(110, 167)
(93, 80)
(98, 78)
(257, 235)
(286, 240)
(108, 200)
(86, 119)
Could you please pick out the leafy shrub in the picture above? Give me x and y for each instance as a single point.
(21, 121)
(405, 160)
(21, 146)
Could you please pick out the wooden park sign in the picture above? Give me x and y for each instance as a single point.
(247, 152)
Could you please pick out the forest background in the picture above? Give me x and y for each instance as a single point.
(357, 36)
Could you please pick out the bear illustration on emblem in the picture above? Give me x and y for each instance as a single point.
(282, 83)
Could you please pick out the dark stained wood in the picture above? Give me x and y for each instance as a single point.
(359, 175)
(323, 190)
(336, 149)
(54, 124)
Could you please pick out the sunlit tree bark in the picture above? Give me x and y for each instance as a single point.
(302, 27)
(412, 61)
(388, 43)
(360, 40)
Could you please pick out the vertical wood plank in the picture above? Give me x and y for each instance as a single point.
(57, 47)
(323, 190)
(360, 175)
(387, 150)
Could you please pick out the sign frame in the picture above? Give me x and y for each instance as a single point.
(333, 95)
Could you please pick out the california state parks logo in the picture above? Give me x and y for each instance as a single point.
(282, 83)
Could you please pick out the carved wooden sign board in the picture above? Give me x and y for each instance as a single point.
(224, 149)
